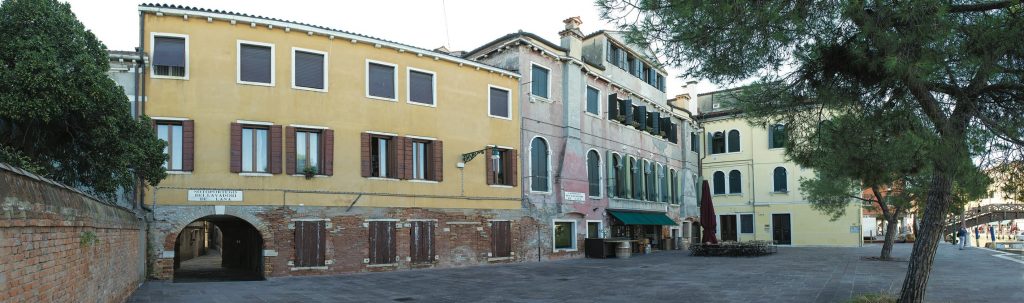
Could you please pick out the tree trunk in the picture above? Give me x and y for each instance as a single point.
(890, 237)
(937, 205)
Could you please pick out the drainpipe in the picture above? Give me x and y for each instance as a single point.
(140, 105)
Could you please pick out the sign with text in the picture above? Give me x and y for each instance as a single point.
(214, 195)
(574, 196)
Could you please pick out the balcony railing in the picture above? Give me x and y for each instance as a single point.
(616, 203)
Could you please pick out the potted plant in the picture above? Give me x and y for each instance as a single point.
(309, 172)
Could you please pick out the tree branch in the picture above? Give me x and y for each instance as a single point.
(980, 7)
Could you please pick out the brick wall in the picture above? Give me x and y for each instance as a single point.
(60, 245)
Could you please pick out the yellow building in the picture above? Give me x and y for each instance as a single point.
(296, 149)
(755, 190)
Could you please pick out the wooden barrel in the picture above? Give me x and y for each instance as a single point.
(623, 250)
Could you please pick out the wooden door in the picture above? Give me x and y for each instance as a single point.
(781, 231)
(727, 226)
(382, 242)
(501, 239)
(421, 245)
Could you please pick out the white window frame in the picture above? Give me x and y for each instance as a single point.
(491, 86)
(426, 150)
(600, 175)
(238, 62)
(599, 93)
(600, 227)
(772, 174)
(575, 246)
(408, 86)
(547, 143)
(306, 50)
(152, 47)
(366, 79)
(548, 93)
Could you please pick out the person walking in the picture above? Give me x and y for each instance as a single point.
(962, 234)
(977, 236)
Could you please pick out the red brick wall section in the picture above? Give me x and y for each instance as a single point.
(59, 245)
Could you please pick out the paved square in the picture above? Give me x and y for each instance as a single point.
(792, 275)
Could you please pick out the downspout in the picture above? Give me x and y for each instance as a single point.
(140, 102)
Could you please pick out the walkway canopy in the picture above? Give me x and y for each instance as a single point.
(633, 218)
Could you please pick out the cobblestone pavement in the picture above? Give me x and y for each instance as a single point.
(792, 275)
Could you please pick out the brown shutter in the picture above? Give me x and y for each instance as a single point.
(328, 153)
(407, 158)
(275, 149)
(397, 154)
(364, 148)
(236, 148)
(513, 169)
(437, 163)
(289, 144)
(489, 165)
(188, 130)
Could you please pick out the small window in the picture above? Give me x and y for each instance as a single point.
(747, 223)
(382, 242)
(594, 173)
(380, 80)
(498, 104)
(502, 168)
(255, 63)
(540, 78)
(422, 164)
(309, 70)
(776, 136)
(593, 101)
(382, 157)
(310, 243)
(255, 149)
(171, 133)
(421, 87)
(718, 143)
(779, 180)
(307, 151)
(735, 185)
(565, 235)
(719, 183)
(170, 56)
(421, 241)
(734, 141)
(694, 142)
(501, 239)
(539, 165)
(593, 230)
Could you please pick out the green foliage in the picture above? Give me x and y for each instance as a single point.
(59, 113)
(88, 238)
(873, 298)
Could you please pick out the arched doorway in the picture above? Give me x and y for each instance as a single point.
(218, 248)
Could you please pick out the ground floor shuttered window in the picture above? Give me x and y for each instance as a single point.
(310, 243)
(565, 235)
(382, 242)
(501, 239)
(421, 241)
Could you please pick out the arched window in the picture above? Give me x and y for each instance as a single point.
(649, 182)
(613, 173)
(539, 165)
(779, 179)
(734, 182)
(674, 188)
(635, 178)
(718, 143)
(594, 173)
(620, 176)
(734, 141)
(719, 183)
(665, 190)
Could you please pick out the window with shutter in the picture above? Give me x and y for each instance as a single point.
(382, 162)
(421, 87)
(593, 100)
(421, 241)
(540, 78)
(718, 143)
(381, 80)
(255, 149)
(498, 104)
(172, 133)
(539, 158)
(309, 70)
(594, 173)
(694, 142)
(611, 171)
(613, 107)
(308, 152)
(639, 116)
(501, 171)
(170, 56)
(421, 155)
(310, 243)
(255, 63)
(501, 239)
(382, 242)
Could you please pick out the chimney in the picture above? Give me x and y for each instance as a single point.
(688, 97)
(572, 37)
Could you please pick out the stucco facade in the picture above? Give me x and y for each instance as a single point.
(558, 116)
(756, 163)
(459, 203)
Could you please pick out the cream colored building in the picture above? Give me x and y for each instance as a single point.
(755, 190)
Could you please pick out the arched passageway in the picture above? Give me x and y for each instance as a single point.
(218, 248)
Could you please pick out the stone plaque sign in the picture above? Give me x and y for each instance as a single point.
(574, 196)
(213, 195)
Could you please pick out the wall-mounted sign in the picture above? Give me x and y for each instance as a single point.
(213, 195)
(854, 229)
(574, 196)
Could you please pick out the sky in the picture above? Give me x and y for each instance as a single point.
(419, 23)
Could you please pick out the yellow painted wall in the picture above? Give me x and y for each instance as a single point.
(756, 162)
(213, 99)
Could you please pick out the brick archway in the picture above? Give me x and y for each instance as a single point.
(179, 218)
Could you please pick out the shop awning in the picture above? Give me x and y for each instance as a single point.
(634, 218)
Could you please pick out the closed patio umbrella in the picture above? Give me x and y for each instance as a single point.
(707, 215)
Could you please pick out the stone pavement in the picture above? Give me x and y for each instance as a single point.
(792, 275)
